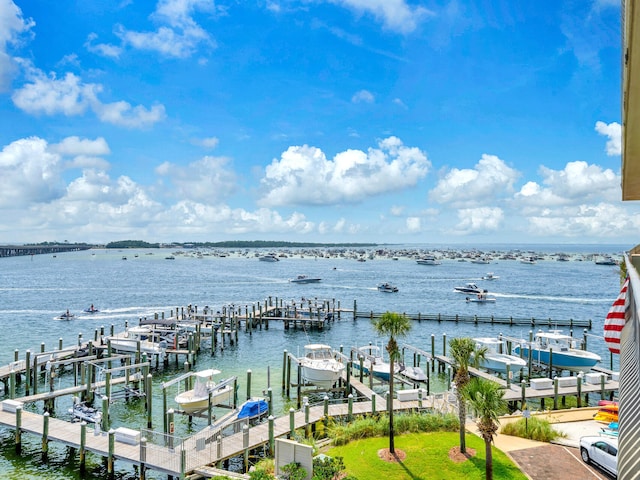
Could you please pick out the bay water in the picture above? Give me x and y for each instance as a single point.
(35, 290)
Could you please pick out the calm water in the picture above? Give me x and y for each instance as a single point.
(34, 290)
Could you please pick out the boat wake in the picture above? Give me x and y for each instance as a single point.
(555, 299)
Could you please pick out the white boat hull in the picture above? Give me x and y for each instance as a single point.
(190, 402)
(323, 375)
(497, 362)
(414, 373)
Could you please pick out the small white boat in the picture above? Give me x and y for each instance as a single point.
(469, 288)
(415, 374)
(553, 346)
(374, 363)
(197, 399)
(270, 257)
(387, 288)
(482, 297)
(481, 260)
(142, 336)
(528, 260)
(305, 279)
(495, 360)
(490, 276)
(428, 260)
(319, 366)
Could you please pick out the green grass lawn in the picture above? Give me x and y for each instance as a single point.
(427, 459)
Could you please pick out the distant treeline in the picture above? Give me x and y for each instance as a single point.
(132, 244)
(232, 244)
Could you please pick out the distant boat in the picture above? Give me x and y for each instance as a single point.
(481, 260)
(481, 298)
(490, 276)
(528, 260)
(269, 258)
(91, 309)
(305, 279)
(606, 261)
(170, 257)
(66, 316)
(387, 288)
(469, 288)
(428, 260)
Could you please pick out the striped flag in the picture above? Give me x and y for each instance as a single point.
(614, 322)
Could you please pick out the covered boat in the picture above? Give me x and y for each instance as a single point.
(254, 408)
(197, 399)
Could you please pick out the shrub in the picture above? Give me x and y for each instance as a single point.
(293, 471)
(533, 429)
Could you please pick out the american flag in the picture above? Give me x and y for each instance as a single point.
(614, 322)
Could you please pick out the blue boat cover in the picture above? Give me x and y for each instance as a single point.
(253, 408)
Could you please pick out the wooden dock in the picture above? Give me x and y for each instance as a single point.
(210, 446)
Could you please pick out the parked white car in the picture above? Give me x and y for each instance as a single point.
(602, 451)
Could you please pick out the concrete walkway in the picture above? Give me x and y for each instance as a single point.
(559, 460)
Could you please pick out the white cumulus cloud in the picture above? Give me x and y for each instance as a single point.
(613, 131)
(490, 179)
(13, 27)
(304, 175)
(396, 15)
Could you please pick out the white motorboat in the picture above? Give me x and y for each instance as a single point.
(481, 260)
(305, 279)
(560, 349)
(320, 366)
(415, 374)
(140, 338)
(494, 359)
(469, 288)
(374, 363)
(528, 260)
(481, 298)
(387, 288)
(428, 260)
(270, 257)
(197, 399)
(490, 276)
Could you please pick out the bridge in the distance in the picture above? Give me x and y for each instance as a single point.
(19, 250)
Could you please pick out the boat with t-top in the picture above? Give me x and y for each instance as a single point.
(387, 288)
(559, 349)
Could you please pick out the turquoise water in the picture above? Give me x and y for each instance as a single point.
(35, 290)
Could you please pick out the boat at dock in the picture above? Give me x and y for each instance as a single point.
(494, 359)
(554, 346)
(140, 338)
(305, 279)
(197, 399)
(374, 363)
(387, 288)
(320, 366)
(82, 412)
(415, 374)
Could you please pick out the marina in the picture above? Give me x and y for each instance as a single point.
(215, 327)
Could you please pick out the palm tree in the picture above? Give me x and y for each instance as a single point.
(485, 399)
(394, 325)
(463, 352)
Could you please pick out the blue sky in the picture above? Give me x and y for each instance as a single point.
(390, 121)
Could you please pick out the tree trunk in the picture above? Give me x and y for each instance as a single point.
(488, 466)
(462, 417)
(392, 448)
